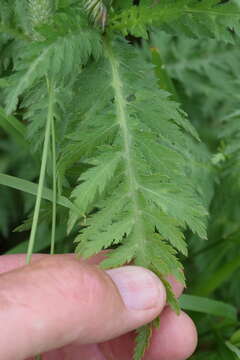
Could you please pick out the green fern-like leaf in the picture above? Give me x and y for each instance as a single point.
(103, 170)
(229, 187)
(39, 11)
(67, 46)
(195, 18)
(142, 341)
(208, 69)
(145, 207)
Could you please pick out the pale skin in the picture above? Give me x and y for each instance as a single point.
(69, 309)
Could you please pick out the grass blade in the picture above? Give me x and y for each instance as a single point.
(42, 176)
(208, 306)
(233, 348)
(31, 188)
(210, 283)
(54, 175)
(13, 127)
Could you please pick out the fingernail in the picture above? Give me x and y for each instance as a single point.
(140, 289)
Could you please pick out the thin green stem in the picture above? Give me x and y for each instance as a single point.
(41, 177)
(54, 175)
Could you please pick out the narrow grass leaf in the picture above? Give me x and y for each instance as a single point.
(233, 348)
(209, 283)
(31, 188)
(208, 306)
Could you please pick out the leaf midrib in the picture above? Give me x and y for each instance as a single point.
(121, 107)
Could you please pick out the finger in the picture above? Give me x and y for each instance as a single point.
(11, 262)
(176, 339)
(75, 352)
(59, 300)
(177, 287)
(177, 330)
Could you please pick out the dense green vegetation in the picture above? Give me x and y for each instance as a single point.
(120, 130)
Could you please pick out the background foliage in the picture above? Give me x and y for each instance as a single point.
(137, 108)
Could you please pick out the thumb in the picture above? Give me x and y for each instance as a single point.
(59, 300)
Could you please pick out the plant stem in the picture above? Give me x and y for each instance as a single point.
(41, 177)
(54, 175)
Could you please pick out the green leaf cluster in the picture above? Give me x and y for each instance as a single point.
(126, 114)
(210, 18)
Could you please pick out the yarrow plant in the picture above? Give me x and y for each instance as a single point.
(129, 111)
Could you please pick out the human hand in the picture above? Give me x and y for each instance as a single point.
(68, 309)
